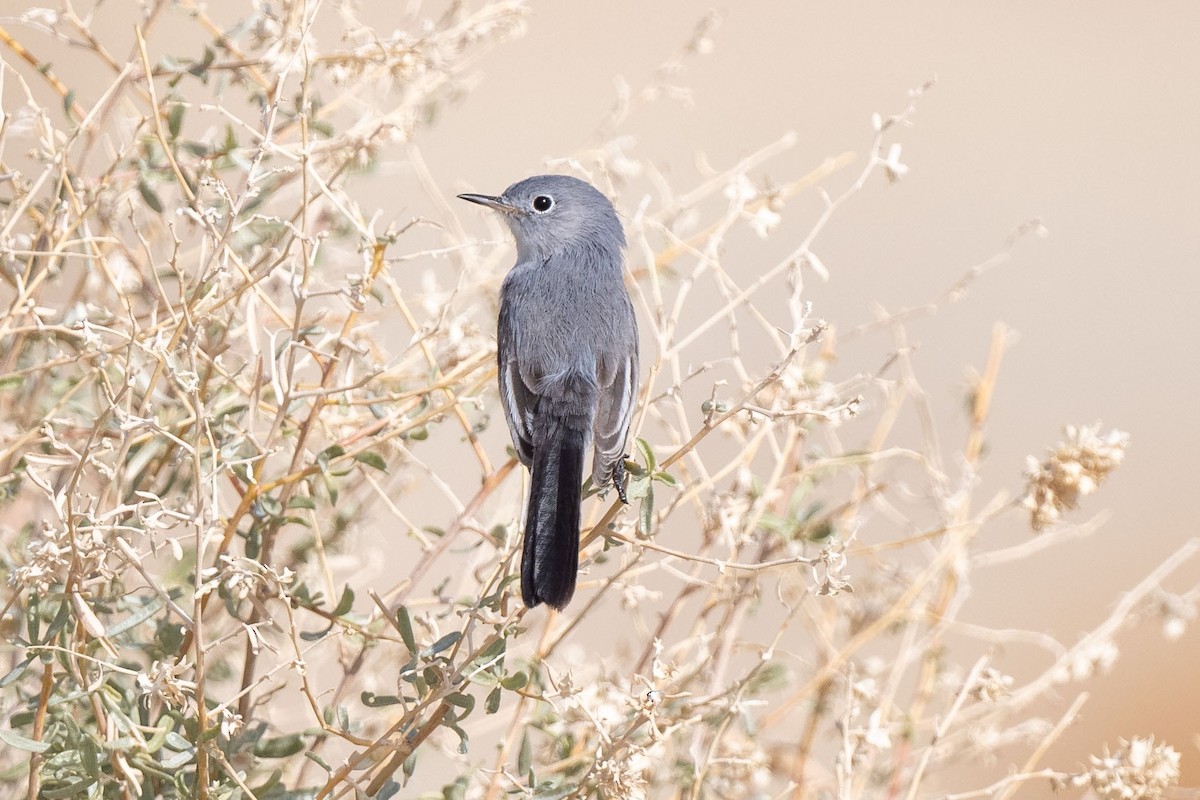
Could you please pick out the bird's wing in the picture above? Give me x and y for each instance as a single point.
(614, 413)
(516, 398)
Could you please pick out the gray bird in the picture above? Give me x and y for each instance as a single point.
(568, 363)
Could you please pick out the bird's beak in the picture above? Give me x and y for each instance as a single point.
(495, 203)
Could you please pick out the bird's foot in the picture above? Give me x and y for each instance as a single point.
(618, 479)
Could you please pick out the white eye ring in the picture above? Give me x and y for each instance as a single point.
(542, 203)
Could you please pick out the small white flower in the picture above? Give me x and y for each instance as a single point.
(23, 123)
(877, 735)
(231, 724)
(991, 686)
(765, 220)
(818, 266)
(740, 190)
(892, 166)
(866, 689)
(634, 594)
(829, 572)
(91, 339)
(163, 682)
(187, 380)
(40, 16)
(1174, 627)
(1090, 659)
(619, 163)
(1177, 613)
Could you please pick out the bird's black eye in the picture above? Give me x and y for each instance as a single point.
(543, 203)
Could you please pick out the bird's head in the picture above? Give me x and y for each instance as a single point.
(552, 214)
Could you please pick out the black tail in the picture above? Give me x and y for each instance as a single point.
(551, 557)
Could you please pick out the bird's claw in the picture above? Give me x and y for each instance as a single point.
(618, 480)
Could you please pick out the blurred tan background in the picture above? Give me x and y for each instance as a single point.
(1085, 116)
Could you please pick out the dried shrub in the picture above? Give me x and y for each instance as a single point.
(204, 414)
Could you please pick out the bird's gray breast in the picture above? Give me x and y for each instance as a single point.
(567, 318)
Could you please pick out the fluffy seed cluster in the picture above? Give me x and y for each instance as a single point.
(1075, 468)
(1138, 770)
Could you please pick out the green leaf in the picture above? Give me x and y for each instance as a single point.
(464, 701)
(279, 747)
(320, 762)
(150, 197)
(517, 680)
(198, 149)
(524, 754)
(14, 739)
(33, 614)
(456, 790)
(444, 643)
(68, 790)
(404, 623)
(665, 477)
(57, 624)
(207, 735)
(463, 742)
(89, 756)
(154, 743)
(270, 783)
(270, 505)
(175, 120)
(346, 603)
(302, 501)
(647, 454)
(176, 742)
(821, 531)
(316, 331)
(646, 513)
(372, 700)
(492, 704)
(313, 636)
(493, 650)
(329, 454)
(137, 618)
(16, 672)
(483, 678)
(638, 487)
(200, 68)
(178, 760)
(372, 459)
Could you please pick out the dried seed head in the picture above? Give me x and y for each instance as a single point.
(1074, 469)
(1138, 770)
